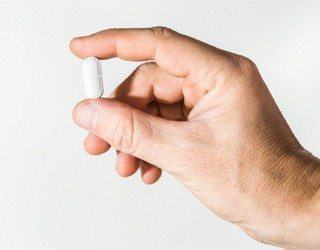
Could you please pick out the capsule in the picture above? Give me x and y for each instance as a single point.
(92, 75)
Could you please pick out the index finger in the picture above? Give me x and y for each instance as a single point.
(177, 54)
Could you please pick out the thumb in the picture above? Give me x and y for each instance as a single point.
(150, 138)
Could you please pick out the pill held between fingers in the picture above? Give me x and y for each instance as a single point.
(92, 75)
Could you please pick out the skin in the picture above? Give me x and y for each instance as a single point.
(206, 117)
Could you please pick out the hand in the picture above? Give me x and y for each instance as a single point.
(206, 117)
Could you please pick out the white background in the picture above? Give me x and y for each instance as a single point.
(55, 196)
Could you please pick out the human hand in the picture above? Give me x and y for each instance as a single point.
(206, 117)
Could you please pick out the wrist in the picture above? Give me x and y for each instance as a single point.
(304, 226)
(287, 202)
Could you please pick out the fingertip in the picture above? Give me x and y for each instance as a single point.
(126, 164)
(123, 172)
(94, 145)
(97, 102)
(75, 45)
(151, 179)
(77, 108)
(82, 47)
(85, 46)
(150, 174)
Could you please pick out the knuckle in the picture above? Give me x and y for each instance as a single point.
(163, 32)
(124, 137)
(147, 67)
(246, 65)
(144, 75)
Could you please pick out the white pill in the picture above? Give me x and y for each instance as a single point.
(92, 75)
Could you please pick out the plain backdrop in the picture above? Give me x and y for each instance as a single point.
(55, 196)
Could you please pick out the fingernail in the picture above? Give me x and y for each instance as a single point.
(87, 116)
